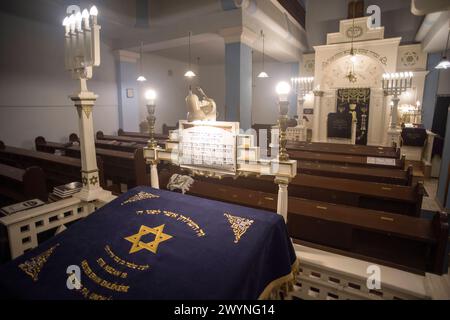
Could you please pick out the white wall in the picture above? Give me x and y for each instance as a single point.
(166, 76)
(34, 87)
(265, 100)
(212, 80)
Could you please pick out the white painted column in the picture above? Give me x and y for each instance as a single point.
(394, 131)
(154, 175)
(300, 122)
(353, 132)
(282, 204)
(383, 120)
(84, 102)
(394, 117)
(316, 123)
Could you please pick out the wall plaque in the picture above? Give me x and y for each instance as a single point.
(339, 125)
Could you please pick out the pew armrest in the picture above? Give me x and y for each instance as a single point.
(441, 232)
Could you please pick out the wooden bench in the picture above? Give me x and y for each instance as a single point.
(119, 146)
(101, 136)
(402, 200)
(403, 242)
(23, 184)
(344, 159)
(409, 243)
(163, 136)
(372, 174)
(59, 170)
(345, 149)
(120, 167)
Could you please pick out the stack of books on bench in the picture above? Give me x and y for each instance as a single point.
(68, 190)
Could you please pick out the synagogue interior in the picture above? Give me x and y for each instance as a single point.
(224, 150)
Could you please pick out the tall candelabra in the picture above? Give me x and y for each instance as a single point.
(394, 84)
(82, 44)
(150, 96)
(283, 89)
(82, 53)
(302, 87)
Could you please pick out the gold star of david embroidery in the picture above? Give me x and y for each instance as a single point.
(138, 245)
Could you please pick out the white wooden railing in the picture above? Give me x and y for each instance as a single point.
(24, 227)
(328, 276)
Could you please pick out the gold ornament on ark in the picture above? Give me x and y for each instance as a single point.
(239, 226)
(140, 197)
(33, 267)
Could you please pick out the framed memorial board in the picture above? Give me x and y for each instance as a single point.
(414, 137)
(339, 125)
(208, 145)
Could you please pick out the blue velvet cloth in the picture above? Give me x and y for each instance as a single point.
(198, 254)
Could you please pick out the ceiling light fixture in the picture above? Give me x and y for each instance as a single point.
(351, 75)
(141, 77)
(190, 74)
(444, 63)
(263, 74)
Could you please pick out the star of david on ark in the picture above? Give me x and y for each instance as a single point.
(152, 246)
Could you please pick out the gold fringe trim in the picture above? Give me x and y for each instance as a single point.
(283, 284)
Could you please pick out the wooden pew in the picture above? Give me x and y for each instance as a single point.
(402, 200)
(43, 145)
(111, 144)
(120, 167)
(407, 243)
(101, 136)
(23, 184)
(380, 175)
(59, 170)
(373, 174)
(119, 146)
(159, 136)
(345, 149)
(342, 159)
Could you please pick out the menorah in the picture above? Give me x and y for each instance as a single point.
(302, 87)
(394, 84)
(82, 53)
(82, 45)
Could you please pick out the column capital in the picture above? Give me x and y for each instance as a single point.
(239, 34)
(84, 98)
(127, 56)
(318, 93)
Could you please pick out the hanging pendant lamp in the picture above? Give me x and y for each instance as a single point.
(190, 73)
(263, 74)
(141, 77)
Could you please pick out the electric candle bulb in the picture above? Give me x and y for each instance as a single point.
(72, 23)
(66, 25)
(94, 13)
(85, 16)
(150, 96)
(78, 20)
(283, 89)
